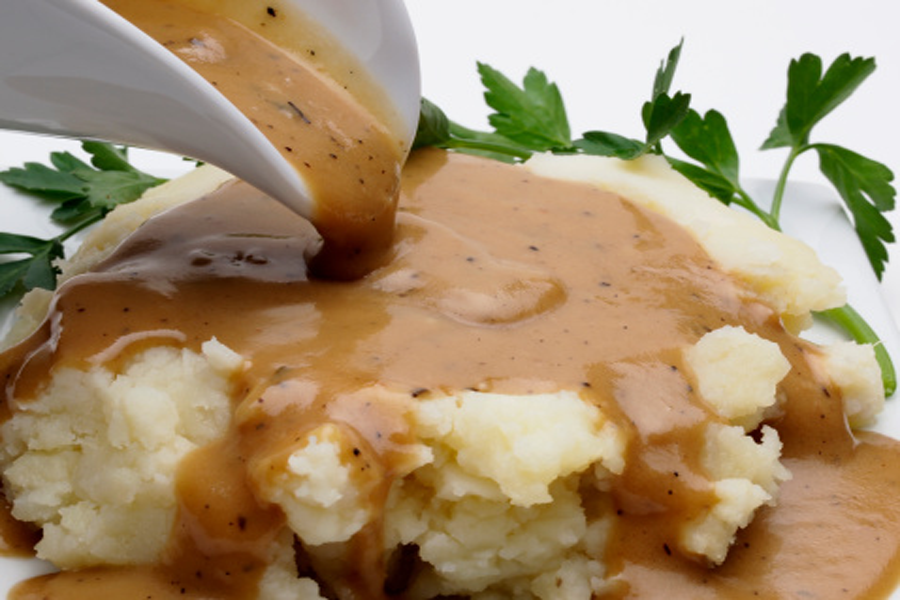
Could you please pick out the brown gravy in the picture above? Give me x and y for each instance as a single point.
(576, 289)
(343, 148)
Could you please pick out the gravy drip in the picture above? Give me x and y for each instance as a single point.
(499, 281)
(348, 157)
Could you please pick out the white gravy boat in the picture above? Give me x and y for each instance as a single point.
(74, 68)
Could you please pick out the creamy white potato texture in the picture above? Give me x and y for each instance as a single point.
(493, 495)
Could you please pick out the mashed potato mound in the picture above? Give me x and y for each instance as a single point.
(522, 443)
(280, 580)
(498, 512)
(493, 493)
(746, 476)
(92, 458)
(720, 361)
(317, 490)
(854, 369)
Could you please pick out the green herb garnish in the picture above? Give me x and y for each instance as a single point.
(532, 118)
(82, 195)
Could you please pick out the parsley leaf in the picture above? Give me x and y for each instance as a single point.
(533, 115)
(811, 96)
(605, 143)
(665, 74)
(660, 115)
(708, 140)
(33, 272)
(41, 180)
(79, 188)
(435, 129)
(527, 119)
(864, 185)
(83, 193)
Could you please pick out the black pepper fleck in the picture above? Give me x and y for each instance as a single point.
(299, 112)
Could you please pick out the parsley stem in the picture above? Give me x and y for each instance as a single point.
(744, 200)
(464, 138)
(464, 144)
(81, 225)
(852, 322)
(781, 186)
(846, 316)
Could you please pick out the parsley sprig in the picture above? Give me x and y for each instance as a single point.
(532, 118)
(82, 195)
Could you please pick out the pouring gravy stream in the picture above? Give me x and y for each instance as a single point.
(314, 102)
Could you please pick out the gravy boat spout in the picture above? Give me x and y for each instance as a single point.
(75, 68)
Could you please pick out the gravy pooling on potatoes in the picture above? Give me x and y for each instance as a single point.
(498, 280)
(309, 98)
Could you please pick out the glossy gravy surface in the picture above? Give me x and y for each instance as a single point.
(309, 98)
(498, 280)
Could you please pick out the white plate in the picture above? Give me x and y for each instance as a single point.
(811, 212)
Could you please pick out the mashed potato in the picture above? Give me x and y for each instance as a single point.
(498, 510)
(504, 496)
(93, 458)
